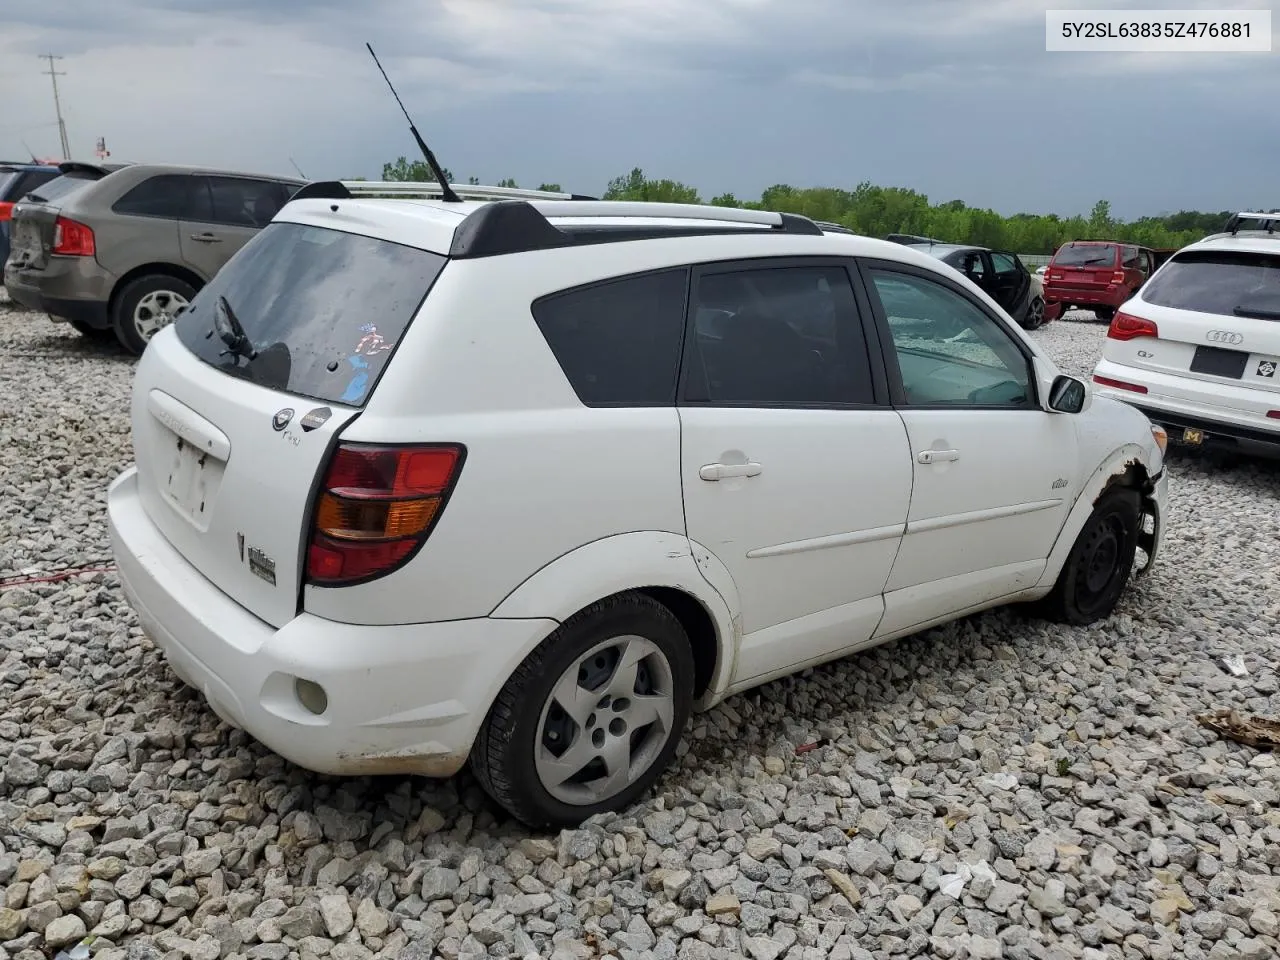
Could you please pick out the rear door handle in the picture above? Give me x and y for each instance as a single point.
(206, 238)
(722, 471)
(938, 456)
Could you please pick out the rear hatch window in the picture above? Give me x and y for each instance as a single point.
(1086, 256)
(59, 188)
(1224, 283)
(310, 311)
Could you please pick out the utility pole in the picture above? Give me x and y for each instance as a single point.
(57, 104)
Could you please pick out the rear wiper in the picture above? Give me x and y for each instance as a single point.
(1258, 313)
(37, 198)
(232, 332)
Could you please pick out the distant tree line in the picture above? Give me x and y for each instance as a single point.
(876, 211)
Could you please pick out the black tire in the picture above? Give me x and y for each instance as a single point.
(1104, 313)
(1033, 318)
(122, 314)
(1100, 562)
(503, 756)
(92, 333)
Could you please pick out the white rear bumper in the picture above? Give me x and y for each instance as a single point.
(1223, 412)
(400, 699)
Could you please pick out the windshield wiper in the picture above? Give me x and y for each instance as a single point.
(1258, 313)
(232, 332)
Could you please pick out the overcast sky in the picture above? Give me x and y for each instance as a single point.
(955, 98)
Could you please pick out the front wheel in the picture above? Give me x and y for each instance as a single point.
(1100, 562)
(591, 718)
(146, 306)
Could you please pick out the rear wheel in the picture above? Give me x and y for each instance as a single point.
(1100, 562)
(1104, 313)
(591, 719)
(1033, 319)
(146, 306)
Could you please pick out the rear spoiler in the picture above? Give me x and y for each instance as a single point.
(101, 169)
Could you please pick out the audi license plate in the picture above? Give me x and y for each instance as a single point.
(1192, 436)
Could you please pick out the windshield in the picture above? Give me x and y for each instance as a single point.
(1086, 255)
(61, 187)
(311, 311)
(1228, 284)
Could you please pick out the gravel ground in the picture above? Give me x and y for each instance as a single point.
(994, 788)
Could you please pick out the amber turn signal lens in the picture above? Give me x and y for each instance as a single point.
(345, 519)
(1161, 436)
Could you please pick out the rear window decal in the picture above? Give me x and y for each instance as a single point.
(370, 344)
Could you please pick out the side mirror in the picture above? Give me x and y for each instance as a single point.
(1067, 395)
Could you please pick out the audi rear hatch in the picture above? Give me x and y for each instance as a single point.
(1212, 315)
(237, 406)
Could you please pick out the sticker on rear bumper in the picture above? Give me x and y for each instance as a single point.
(1267, 368)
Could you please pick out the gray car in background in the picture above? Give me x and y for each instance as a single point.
(124, 252)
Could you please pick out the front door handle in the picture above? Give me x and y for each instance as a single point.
(938, 456)
(722, 471)
(206, 238)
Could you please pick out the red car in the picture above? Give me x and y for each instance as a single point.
(1098, 275)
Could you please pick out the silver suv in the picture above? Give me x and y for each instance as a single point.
(126, 251)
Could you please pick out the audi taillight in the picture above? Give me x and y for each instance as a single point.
(6, 211)
(377, 505)
(72, 239)
(1274, 414)
(1125, 326)
(1119, 384)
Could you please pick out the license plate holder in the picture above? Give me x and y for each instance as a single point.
(186, 485)
(1217, 362)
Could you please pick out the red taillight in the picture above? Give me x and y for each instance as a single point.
(1117, 277)
(376, 507)
(1119, 384)
(1125, 326)
(1055, 274)
(1274, 414)
(72, 239)
(6, 211)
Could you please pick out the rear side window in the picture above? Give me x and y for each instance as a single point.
(618, 343)
(1228, 284)
(321, 310)
(242, 202)
(777, 336)
(171, 196)
(1005, 265)
(1086, 255)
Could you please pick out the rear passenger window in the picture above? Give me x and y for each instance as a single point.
(618, 343)
(777, 336)
(242, 202)
(172, 196)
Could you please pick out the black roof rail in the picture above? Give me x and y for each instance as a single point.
(828, 227)
(1267, 221)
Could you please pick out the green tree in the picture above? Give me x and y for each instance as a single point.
(550, 187)
(875, 211)
(508, 182)
(416, 171)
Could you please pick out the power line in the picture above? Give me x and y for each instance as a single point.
(57, 104)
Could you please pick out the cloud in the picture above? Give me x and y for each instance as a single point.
(954, 97)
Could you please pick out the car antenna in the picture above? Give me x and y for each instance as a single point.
(30, 151)
(298, 168)
(446, 191)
